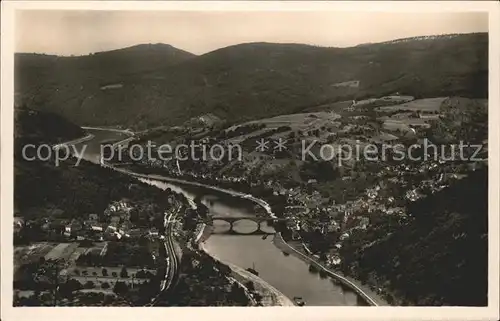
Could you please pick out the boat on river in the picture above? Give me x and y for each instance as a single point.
(252, 270)
(299, 301)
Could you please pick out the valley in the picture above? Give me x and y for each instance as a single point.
(259, 174)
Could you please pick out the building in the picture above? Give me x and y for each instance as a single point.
(73, 227)
(115, 220)
(18, 224)
(135, 233)
(97, 227)
(364, 221)
(92, 219)
(344, 236)
(111, 229)
(153, 231)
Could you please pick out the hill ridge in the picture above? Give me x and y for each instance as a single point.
(146, 46)
(249, 81)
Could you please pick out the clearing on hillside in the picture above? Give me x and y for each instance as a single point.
(426, 104)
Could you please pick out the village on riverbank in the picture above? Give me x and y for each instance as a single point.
(296, 169)
(326, 203)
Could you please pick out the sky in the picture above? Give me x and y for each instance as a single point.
(83, 32)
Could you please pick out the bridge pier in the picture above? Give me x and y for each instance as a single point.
(259, 226)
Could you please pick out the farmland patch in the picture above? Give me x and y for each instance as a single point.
(426, 104)
(112, 86)
(62, 251)
(352, 83)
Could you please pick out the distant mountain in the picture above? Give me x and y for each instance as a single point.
(249, 81)
(58, 83)
(101, 67)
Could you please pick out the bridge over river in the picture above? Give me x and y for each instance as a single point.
(289, 274)
(261, 225)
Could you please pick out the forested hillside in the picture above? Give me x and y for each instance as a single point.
(66, 191)
(246, 81)
(35, 127)
(440, 257)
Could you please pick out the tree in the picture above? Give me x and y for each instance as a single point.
(238, 294)
(104, 272)
(223, 268)
(312, 268)
(250, 286)
(67, 289)
(89, 285)
(124, 273)
(120, 288)
(258, 298)
(134, 216)
(323, 257)
(140, 274)
(105, 285)
(114, 274)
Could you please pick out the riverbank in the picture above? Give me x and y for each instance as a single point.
(277, 296)
(366, 293)
(270, 295)
(74, 142)
(125, 131)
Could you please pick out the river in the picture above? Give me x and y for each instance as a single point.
(288, 274)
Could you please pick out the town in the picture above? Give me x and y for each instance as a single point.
(322, 217)
(249, 163)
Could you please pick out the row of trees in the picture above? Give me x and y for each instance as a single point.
(141, 274)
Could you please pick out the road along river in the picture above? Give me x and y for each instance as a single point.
(287, 273)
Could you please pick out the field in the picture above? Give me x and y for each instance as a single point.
(404, 124)
(387, 100)
(99, 248)
(239, 139)
(332, 107)
(83, 274)
(352, 83)
(383, 137)
(281, 126)
(61, 251)
(68, 252)
(407, 119)
(426, 104)
(113, 86)
(79, 251)
(298, 121)
(25, 254)
(393, 125)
